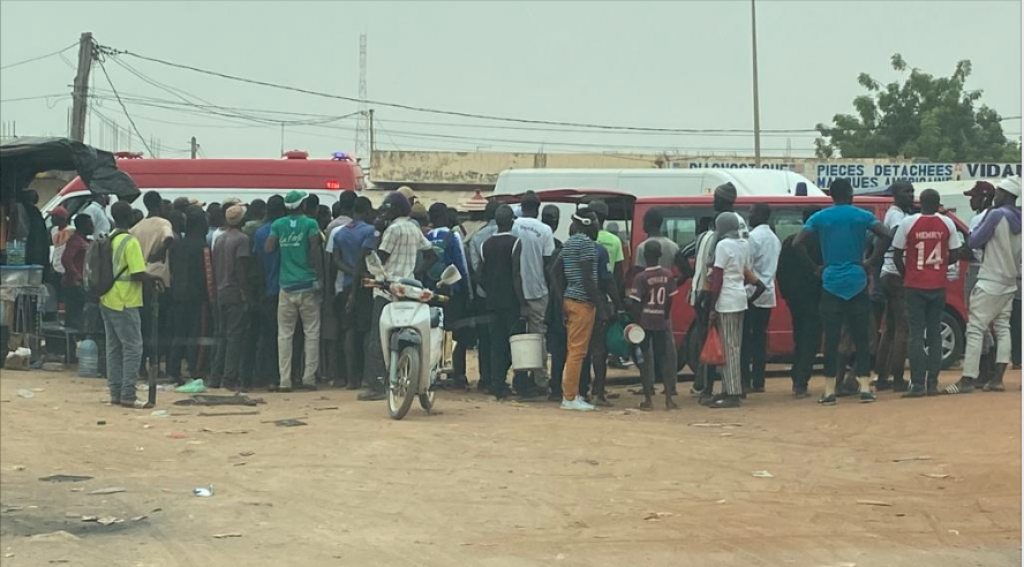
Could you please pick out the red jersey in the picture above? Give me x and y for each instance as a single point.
(653, 289)
(926, 241)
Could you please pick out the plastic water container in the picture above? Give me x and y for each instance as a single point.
(88, 359)
(16, 253)
(527, 351)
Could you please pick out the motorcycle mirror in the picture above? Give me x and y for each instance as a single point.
(450, 276)
(374, 265)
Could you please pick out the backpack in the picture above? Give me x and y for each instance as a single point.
(98, 272)
(440, 248)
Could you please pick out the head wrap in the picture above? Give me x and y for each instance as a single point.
(727, 225)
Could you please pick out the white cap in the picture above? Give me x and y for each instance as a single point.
(1011, 185)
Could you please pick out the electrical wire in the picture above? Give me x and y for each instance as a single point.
(123, 107)
(39, 97)
(115, 53)
(34, 59)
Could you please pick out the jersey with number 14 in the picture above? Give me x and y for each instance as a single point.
(926, 241)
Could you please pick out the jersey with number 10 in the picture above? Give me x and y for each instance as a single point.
(926, 241)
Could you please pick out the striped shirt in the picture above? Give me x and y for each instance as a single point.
(578, 249)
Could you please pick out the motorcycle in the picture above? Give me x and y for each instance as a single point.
(411, 335)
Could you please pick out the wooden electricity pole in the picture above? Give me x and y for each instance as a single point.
(80, 95)
(195, 147)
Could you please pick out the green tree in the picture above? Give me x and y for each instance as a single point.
(924, 117)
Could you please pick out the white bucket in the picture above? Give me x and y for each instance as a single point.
(527, 351)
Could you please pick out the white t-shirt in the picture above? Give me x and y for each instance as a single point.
(893, 217)
(732, 255)
(764, 261)
(536, 241)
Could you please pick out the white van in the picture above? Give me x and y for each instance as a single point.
(653, 183)
(657, 182)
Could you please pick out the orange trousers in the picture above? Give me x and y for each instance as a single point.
(579, 323)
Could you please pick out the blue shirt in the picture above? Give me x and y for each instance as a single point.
(453, 253)
(351, 240)
(842, 230)
(271, 263)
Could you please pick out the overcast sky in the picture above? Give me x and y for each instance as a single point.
(654, 64)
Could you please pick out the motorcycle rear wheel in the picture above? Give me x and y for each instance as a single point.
(402, 389)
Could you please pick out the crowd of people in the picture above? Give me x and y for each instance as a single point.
(268, 294)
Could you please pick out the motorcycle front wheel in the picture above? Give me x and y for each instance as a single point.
(402, 388)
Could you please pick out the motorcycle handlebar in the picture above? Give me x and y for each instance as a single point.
(386, 285)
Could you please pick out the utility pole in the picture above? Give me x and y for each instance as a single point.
(195, 147)
(80, 96)
(361, 149)
(757, 105)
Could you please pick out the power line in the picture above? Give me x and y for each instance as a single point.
(12, 65)
(39, 97)
(123, 107)
(116, 53)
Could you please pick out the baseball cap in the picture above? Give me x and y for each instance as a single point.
(1011, 185)
(980, 189)
(59, 212)
(293, 199)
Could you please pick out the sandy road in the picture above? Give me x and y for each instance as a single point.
(511, 484)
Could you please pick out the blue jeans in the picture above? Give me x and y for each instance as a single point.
(124, 351)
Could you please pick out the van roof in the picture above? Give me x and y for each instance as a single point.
(237, 174)
(746, 200)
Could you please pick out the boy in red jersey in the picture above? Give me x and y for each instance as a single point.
(924, 244)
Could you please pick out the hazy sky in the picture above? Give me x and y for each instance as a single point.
(655, 64)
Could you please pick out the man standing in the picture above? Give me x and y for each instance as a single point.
(354, 303)
(998, 235)
(73, 262)
(188, 272)
(538, 247)
(800, 286)
(610, 242)
(474, 247)
(448, 247)
(653, 219)
(59, 236)
(155, 236)
(842, 230)
(231, 272)
(500, 270)
(764, 257)
(120, 308)
(270, 264)
(95, 208)
(925, 244)
(341, 211)
(298, 238)
(581, 300)
(401, 245)
(555, 339)
(981, 200)
(892, 346)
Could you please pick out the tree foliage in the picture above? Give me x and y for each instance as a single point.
(923, 117)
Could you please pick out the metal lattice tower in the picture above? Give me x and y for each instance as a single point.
(362, 146)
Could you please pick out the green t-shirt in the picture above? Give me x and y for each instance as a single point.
(293, 233)
(613, 245)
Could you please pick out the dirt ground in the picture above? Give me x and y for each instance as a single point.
(933, 482)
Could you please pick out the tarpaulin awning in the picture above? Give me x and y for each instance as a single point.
(21, 159)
